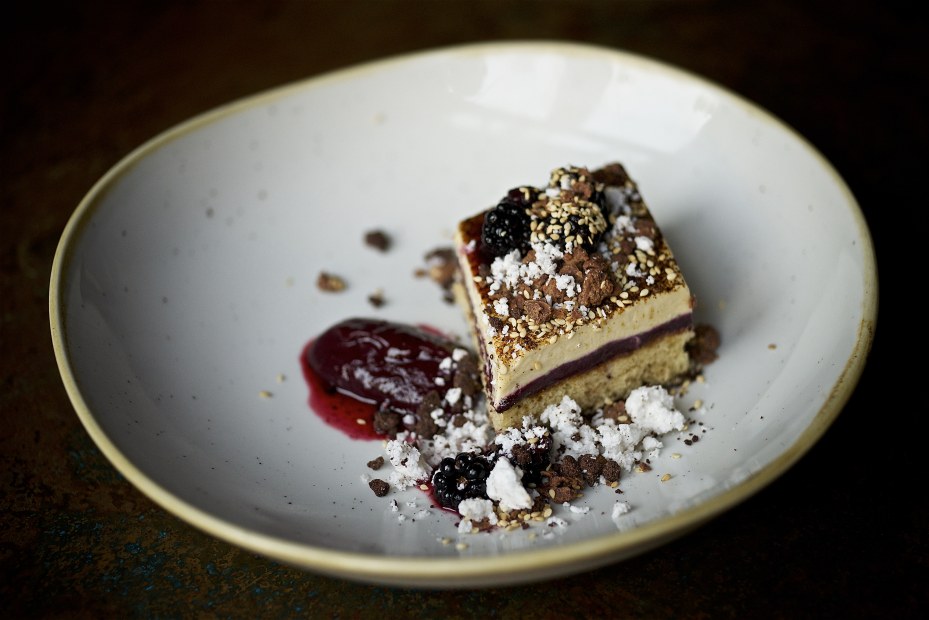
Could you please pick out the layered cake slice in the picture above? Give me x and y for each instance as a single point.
(572, 290)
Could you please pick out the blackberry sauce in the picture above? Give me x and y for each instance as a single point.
(360, 366)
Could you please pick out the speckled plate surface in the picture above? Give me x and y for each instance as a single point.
(184, 287)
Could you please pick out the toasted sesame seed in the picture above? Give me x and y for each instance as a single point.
(666, 477)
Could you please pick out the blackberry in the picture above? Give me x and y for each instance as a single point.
(506, 226)
(460, 478)
(532, 454)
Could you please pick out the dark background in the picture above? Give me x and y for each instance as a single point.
(842, 534)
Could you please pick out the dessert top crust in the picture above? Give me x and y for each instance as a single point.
(534, 297)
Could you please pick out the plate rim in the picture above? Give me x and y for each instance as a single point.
(518, 566)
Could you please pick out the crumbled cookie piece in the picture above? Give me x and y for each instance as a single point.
(441, 267)
(617, 411)
(387, 423)
(537, 311)
(378, 240)
(424, 426)
(611, 471)
(377, 463)
(702, 347)
(376, 298)
(591, 466)
(330, 282)
(380, 487)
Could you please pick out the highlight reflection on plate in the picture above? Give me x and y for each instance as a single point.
(184, 285)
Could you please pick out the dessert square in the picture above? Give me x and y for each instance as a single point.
(571, 289)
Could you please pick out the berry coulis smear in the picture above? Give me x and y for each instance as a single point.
(361, 366)
(353, 417)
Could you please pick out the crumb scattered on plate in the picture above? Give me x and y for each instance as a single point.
(330, 282)
(378, 240)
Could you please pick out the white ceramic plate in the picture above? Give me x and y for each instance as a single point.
(185, 284)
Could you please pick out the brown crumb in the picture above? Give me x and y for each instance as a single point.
(425, 426)
(617, 411)
(377, 463)
(702, 348)
(591, 466)
(378, 239)
(537, 311)
(376, 299)
(379, 487)
(597, 282)
(441, 266)
(330, 282)
(387, 423)
(611, 471)
(569, 466)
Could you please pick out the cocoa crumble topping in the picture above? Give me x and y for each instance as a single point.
(616, 411)
(377, 463)
(378, 240)
(380, 487)
(702, 347)
(387, 423)
(441, 268)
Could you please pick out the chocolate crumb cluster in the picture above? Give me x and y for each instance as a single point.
(378, 239)
(441, 268)
(380, 487)
(703, 346)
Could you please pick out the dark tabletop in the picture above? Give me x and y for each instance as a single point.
(841, 534)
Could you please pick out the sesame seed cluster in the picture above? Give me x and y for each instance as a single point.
(566, 213)
(535, 297)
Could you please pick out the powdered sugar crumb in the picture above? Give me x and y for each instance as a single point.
(652, 408)
(504, 484)
(619, 509)
(409, 466)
